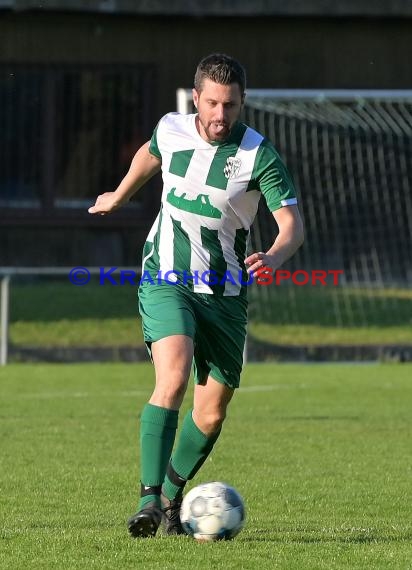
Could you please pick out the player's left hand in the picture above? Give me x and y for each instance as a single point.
(258, 262)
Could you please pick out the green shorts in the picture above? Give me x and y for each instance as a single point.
(217, 326)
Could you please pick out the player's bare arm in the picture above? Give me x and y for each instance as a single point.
(288, 240)
(143, 167)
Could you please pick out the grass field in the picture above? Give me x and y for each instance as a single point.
(47, 313)
(321, 454)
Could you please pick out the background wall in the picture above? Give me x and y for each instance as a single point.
(300, 52)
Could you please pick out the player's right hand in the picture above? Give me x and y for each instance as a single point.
(105, 204)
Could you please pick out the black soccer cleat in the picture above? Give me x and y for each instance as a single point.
(145, 523)
(171, 523)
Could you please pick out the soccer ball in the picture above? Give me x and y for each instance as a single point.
(212, 511)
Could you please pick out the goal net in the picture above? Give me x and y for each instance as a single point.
(350, 155)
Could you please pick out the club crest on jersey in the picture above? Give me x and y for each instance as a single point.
(232, 167)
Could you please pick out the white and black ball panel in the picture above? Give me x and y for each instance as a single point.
(213, 511)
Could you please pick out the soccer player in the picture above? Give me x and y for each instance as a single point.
(193, 293)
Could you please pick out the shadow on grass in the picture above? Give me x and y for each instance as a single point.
(266, 351)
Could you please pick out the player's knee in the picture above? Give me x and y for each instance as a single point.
(169, 395)
(211, 421)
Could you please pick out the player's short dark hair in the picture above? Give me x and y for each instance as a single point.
(222, 69)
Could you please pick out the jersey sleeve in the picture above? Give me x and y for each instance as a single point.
(273, 179)
(154, 147)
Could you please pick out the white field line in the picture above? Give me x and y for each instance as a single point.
(134, 393)
(270, 387)
(51, 395)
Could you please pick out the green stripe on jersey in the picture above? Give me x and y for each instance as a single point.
(151, 249)
(216, 176)
(218, 265)
(240, 251)
(272, 176)
(154, 147)
(181, 248)
(180, 162)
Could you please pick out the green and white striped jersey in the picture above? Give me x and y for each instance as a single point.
(210, 198)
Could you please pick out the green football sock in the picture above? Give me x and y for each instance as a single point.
(157, 434)
(191, 452)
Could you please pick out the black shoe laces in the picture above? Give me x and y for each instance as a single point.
(172, 511)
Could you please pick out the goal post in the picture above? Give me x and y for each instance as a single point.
(184, 102)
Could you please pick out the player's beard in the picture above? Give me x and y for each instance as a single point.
(216, 131)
